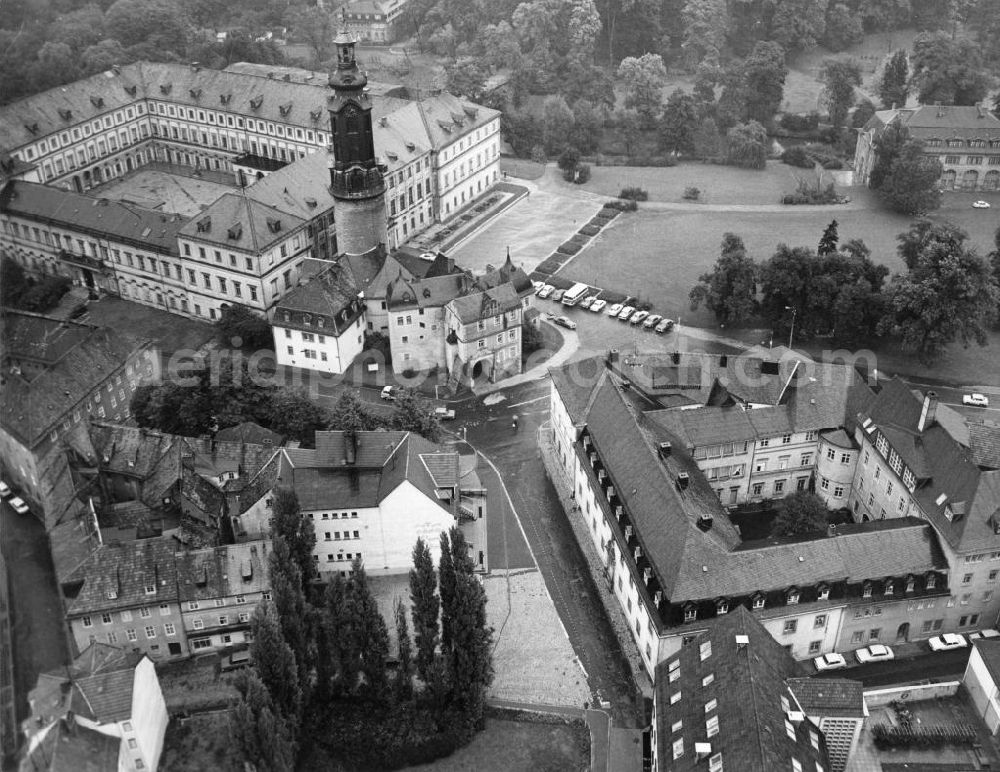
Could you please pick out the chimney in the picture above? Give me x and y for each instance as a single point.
(682, 480)
(742, 642)
(665, 448)
(350, 447)
(928, 412)
(613, 356)
(705, 522)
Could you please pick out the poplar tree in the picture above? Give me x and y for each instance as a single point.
(369, 635)
(426, 607)
(262, 736)
(446, 586)
(404, 675)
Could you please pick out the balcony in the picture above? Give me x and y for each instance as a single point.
(81, 261)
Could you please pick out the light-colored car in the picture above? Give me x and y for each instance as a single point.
(980, 204)
(651, 321)
(664, 325)
(389, 393)
(831, 661)
(558, 295)
(626, 312)
(981, 634)
(874, 653)
(546, 290)
(565, 321)
(597, 306)
(585, 303)
(976, 400)
(947, 642)
(444, 413)
(615, 309)
(537, 285)
(638, 317)
(4, 490)
(18, 505)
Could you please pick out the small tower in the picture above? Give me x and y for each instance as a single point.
(356, 179)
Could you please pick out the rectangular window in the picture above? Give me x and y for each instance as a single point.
(150, 631)
(791, 625)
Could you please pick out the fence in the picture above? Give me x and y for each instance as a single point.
(879, 697)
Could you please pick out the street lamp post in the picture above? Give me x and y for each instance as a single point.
(791, 332)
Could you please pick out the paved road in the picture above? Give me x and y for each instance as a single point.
(937, 666)
(559, 559)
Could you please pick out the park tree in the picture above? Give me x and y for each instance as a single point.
(274, 663)
(764, 72)
(704, 23)
(14, 283)
(611, 11)
(643, 80)
(797, 25)
(588, 125)
(446, 589)
(404, 673)
(264, 739)
(949, 294)
(413, 414)
(238, 322)
(746, 145)
(911, 184)
(839, 78)
(729, 291)
(425, 607)
(56, 64)
(843, 27)
(894, 83)
(629, 124)
(862, 114)
(887, 145)
(298, 623)
(708, 141)
(132, 22)
(885, 14)
(467, 76)
(350, 414)
(337, 664)
(314, 25)
(557, 120)
(295, 529)
(925, 236)
(785, 280)
(800, 514)
(679, 125)
(829, 240)
(102, 55)
(947, 70)
(499, 46)
(290, 412)
(370, 637)
(80, 28)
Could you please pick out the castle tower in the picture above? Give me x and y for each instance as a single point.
(355, 175)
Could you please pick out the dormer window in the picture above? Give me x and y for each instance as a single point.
(722, 606)
(111, 594)
(824, 592)
(151, 589)
(888, 588)
(758, 601)
(909, 584)
(690, 613)
(866, 592)
(793, 596)
(307, 318)
(931, 581)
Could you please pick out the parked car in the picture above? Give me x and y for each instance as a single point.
(565, 321)
(664, 325)
(874, 653)
(18, 505)
(236, 660)
(651, 321)
(831, 661)
(546, 290)
(558, 295)
(638, 317)
(625, 313)
(598, 305)
(585, 303)
(947, 642)
(615, 309)
(980, 204)
(444, 413)
(4, 490)
(537, 285)
(980, 634)
(389, 393)
(976, 400)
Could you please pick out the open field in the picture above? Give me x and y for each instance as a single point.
(520, 746)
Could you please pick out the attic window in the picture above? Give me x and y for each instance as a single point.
(131, 90)
(319, 321)
(690, 612)
(166, 87)
(273, 225)
(111, 594)
(204, 225)
(722, 606)
(256, 102)
(471, 111)
(315, 115)
(310, 202)
(824, 592)
(758, 601)
(31, 127)
(225, 98)
(285, 109)
(391, 156)
(410, 146)
(235, 231)
(65, 114)
(97, 101)
(931, 581)
(246, 570)
(195, 93)
(445, 126)
(793, 597)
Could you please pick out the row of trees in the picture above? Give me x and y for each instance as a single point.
(227, 395)
(320, 694)
(18, 290)
(949, 292)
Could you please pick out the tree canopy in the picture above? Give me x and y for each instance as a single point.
(729, 291)
(799, 514)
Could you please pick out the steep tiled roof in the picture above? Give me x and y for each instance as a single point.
(403, 292)
(576, 385)
(447, 118)
(218, 572)
(101, 677)
(300, 189)
(951, 121)
(32, 406)
(249, 432)
(239, 221)
(829, 696)
(470, 308)
(985, 445)
(750, 693)
(101, 217)
(329, 296)
(117, 575)
(73, 748)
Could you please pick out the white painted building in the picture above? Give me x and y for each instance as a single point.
(982, 679)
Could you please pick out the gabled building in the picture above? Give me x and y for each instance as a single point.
(105, 711)
(965, 139)
(371, 494)
(726, 702)
(57, 375)
(673, 558)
